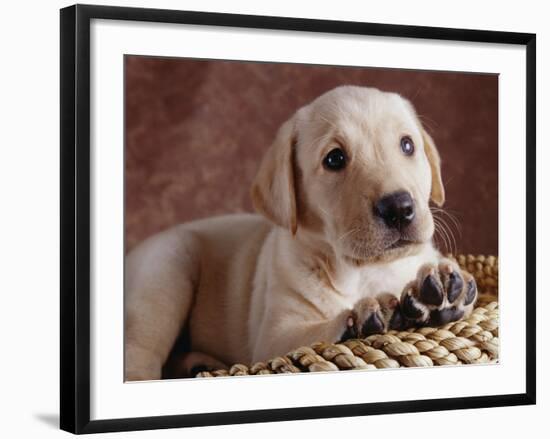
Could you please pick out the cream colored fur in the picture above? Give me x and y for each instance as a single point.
(251, 287)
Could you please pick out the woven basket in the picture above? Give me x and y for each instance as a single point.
(467, 341)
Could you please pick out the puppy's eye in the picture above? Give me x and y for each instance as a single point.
(335, 160)
(407, 145)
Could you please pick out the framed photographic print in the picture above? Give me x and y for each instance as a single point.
(261, 213)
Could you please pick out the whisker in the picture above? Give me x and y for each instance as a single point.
(446, 233)
(425, 119)
(437, 231)
(442, 235)
(454, 220)
(418, 90)
(349, 232)
(450, 233)
(447, 219)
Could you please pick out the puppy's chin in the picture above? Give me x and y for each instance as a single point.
(398, 250)
(388, 245)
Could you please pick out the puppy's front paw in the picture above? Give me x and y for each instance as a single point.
(366, 318)
(441, 294)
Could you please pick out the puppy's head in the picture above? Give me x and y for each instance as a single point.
(355, 169)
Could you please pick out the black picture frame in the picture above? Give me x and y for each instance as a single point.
(75, 217)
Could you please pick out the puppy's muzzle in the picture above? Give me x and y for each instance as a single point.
(396, 210)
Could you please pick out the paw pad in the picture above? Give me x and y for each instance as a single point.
(431, 291)
(373, 325)
(440, 295)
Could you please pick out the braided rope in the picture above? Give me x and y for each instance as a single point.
(468, 341)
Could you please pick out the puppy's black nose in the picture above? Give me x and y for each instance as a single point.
(397, 210)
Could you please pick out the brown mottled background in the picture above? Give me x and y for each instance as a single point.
(196, 130)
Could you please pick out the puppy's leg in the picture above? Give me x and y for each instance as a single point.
(160, 279)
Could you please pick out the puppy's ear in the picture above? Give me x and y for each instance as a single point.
(273, 191)
(437, 194)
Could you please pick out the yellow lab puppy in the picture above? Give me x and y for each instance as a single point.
(343, 246)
